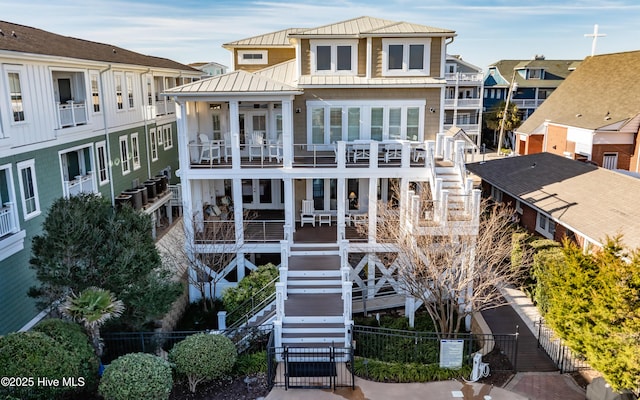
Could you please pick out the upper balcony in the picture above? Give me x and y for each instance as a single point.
(208, 153)
(463, 102)
(70, 98)
(462, 78)
(527, 103)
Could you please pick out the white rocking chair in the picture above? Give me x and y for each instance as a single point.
(308, 213)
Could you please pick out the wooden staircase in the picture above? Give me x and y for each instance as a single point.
(314, 307)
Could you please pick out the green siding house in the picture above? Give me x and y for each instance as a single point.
(75, 117)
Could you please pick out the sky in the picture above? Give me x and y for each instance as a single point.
(194, 30)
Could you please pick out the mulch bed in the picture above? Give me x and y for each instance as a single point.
(241, 388)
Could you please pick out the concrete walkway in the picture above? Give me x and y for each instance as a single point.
(367, 390)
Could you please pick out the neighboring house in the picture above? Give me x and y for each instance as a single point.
(75, 116)
(463, 99)
(310, 134)
(210, 68)
(530, 82)
(593, 116)
(557, 197)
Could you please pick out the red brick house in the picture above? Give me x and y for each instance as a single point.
(557, 197)
(594, 115)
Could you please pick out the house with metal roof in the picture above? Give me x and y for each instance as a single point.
(75, 117)
(297, 150)
(593, 116)
(557, 197)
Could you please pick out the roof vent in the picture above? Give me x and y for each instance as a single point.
(607, 117)
(13, 33)
(1, 33)
(539, 57)
(578, 115)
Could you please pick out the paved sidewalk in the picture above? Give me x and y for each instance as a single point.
(367, 390)
(546, 386)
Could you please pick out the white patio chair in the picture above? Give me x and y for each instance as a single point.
(308, 213)
(256, 145)
(210, 150)
(226, 145)
(275, 149)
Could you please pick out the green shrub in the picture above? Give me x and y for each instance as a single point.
(381, 371)
(249, 287)
(249, 364)
(203, 357)
(137, 376)
(36, 355)
(71, 336)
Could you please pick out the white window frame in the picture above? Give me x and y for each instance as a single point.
(405, 71)
(118, 83)
(153, 140)
(124, 155)
(496, 194)
(167, 133)
(519, 207)
(14, 69)
(365, 118)
(135, 151)
(31, 165)
(102, 165)
(95, 94)
(334, 44)
(131, 99)
(545, 225)
(255, 61)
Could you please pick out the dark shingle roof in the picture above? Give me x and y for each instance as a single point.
(602, 86)
(25, 39)
(555, 72)
(593, 201)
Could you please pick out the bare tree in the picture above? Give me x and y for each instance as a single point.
(453, 271)
(203, 270)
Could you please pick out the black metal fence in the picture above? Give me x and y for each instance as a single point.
(565, 359)
(159, 343)
(310, 367)
(404, 346)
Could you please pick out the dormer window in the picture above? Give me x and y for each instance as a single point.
(253, 57)
(335, 57)
(406, 57)
(535, 73)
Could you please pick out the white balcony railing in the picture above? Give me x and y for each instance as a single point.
(464, 77)
(8, 219)
(468, 103)
(71, 114)
(527, 103)
(82, 184)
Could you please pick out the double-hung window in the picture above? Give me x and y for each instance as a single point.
(101, 155)
(118, 83)
(334, 57)
(406, 56)
(168, 138)
(545, 226)
(130, 91)
(124, 155)
(135, 151)
(15, 93)
(28, 189)
(95, 93)
(154, 144)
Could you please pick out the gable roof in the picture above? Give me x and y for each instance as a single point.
(555, 72)
(590, 200)
(237, 82)
(25, 39)
(602, 86)
(369, 26)
(272, 39)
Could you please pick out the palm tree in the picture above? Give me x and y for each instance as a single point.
(92, 308)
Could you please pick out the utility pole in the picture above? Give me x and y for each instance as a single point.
(511, 88)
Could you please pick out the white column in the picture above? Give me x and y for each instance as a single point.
(238, 215)
(410, 310)
(222, 320)
(289, 208)
(373, 209)
(342, 198)
(234, 128)
(287, 134)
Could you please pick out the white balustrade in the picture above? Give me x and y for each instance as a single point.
(280, 297)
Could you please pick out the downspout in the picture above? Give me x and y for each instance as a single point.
(146, 127)
(106, 135)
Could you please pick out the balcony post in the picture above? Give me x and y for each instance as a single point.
(234, 127)
(287, 133)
